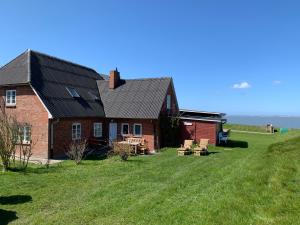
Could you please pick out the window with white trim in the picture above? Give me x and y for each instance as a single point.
(97, 129)
(24, 134)
(10, 97)
(137, 129)
(125, 129)
(76, 131)
(168, 102)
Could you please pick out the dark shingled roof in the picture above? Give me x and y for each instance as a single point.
(49, 76)
(138, 98)
(16, 71)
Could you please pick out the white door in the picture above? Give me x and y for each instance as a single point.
(112, 132)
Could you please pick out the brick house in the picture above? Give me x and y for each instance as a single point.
(64, 101)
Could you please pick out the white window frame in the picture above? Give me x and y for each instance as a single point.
(76, 133)
(9, 98)
(169, 102)
(25, 133)
(138, 135)
(98, 131)
(122, 125)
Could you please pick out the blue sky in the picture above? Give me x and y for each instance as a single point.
(237, 57)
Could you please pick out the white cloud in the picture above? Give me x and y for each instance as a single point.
(242, 85)
(277, 82)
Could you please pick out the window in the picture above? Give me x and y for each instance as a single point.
(169, 102)
(73, 92)
(97, 129)
(125, 129)
(76, 131)
(137, 129)
(11, 97)
(25, 134)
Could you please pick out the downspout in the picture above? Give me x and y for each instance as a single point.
(52, 135)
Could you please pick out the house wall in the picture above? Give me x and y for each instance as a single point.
(29, 109)
(174, 105)
(150, 130)
(196, 130)
(62, 132)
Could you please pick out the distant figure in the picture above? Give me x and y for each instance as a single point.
(270, 128)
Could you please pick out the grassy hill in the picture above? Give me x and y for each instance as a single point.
(245, 128)
(253, 181)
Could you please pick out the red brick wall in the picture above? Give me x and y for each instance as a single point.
(198, 130)
(29, 109)
(148, 132)
(62, 132)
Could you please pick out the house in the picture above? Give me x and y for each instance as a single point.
(64, 101)
(200, 124)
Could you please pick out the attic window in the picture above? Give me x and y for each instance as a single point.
(93, 96)
(73, 92)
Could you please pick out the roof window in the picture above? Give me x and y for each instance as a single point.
(73, 92)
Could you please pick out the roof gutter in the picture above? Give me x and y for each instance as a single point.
(204, 112)
(203, 119)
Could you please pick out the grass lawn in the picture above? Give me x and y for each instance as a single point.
(250, 128)
(250, 184)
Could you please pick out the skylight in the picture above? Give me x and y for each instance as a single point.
(73, 92)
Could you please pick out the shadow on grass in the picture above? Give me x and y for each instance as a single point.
(212, 152)
(7, 216)
(38, 170)
(96, 157)
(15, 199)
(236, 144)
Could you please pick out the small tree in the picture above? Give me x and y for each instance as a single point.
(8, 138)
(76, 150)
(170, 129)
(122, 150)
(25, 144)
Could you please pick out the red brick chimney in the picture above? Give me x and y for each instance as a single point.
(114, 78)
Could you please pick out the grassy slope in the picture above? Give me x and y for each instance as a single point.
(245, 128)
(253, 185)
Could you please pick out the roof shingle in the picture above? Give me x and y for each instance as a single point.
(138, 98)
(49, 76)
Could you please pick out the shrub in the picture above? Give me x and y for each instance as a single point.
(122, 150)
(11, 138)
(76, 150)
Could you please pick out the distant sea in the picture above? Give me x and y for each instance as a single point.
(277, 121)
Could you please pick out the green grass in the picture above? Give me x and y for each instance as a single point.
(252, 183)
(245, 128)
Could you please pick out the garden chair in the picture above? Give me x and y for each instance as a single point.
(202, 148)
(186, 148)
(143, 147)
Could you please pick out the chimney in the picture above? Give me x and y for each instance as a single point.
(114, 78)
